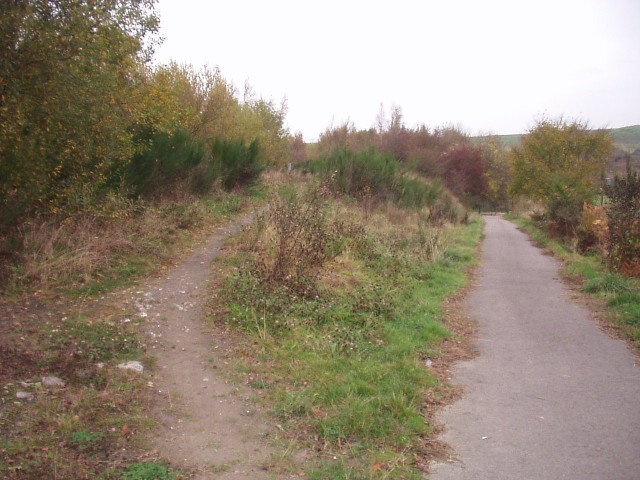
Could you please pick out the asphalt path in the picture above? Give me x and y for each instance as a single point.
(550, 396)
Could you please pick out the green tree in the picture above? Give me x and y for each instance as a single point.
(496, 158)
(560, 164)
(68, 74)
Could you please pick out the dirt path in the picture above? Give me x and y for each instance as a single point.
(206, 423)
(550, 396)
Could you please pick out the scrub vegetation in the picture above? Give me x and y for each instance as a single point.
(340, 299)
(111, 168)
(95, 141)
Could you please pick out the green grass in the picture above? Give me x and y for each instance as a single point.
(147, 471)
(621, 294)
(345, 365)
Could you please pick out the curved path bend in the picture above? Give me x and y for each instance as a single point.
(205, 423)
(550, 396)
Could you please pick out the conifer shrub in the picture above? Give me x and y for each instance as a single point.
(358, 174)
(238, 164)
(166, 159)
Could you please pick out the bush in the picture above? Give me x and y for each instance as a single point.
(372, 176)
(592, 232)
(168, 157)
(358, 174)
(303, 241)
(237, 162)
(624, 223)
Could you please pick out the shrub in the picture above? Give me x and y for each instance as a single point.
(302, 241)
(624, 223)
(168, 157)
(237, 162)
(592, 232)
(357, 174)
(372, 176)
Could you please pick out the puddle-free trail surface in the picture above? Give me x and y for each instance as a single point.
(550, 396)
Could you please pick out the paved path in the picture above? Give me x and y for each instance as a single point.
(550, 396)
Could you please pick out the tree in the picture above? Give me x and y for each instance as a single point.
(496, 159)
(464, 172)
(297, 149)
(561, 165)
(68, 74)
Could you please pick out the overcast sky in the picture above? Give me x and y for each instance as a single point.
(488, 66)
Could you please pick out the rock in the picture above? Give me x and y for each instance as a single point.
(52, 381)
(134, 365)
(24, 396)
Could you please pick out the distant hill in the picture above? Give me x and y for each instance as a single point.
(625, 138)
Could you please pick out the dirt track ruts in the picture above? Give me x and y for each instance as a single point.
(550, 396)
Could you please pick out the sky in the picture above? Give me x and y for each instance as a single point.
(489, 66)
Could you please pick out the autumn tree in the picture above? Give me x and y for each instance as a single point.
(297, 149)
(497, 173)
(464, 172)
(560, 164)
(68, 72)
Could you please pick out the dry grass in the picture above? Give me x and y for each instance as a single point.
(89, 253)
(54, 253)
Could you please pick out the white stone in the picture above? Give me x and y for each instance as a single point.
(134, 365)
(52, 381)
(24, 395)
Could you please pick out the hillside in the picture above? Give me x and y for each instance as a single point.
(625, 138)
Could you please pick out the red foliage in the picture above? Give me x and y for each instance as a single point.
(464, 171)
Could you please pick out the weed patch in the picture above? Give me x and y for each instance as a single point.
(353, 346)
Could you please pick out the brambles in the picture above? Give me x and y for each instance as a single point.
(301, 238)
(624, 223)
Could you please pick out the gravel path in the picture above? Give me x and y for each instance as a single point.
(550, 396)
(206, 424)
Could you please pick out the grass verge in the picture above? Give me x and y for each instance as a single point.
(619, 293)
(340, 349)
